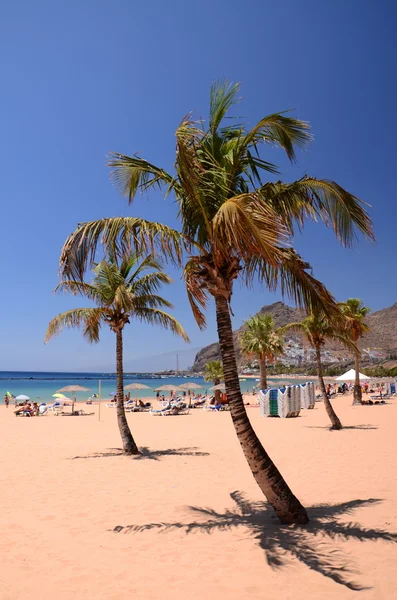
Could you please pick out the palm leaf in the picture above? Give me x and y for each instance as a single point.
(155, 316)
(89, 318)
(131, 174)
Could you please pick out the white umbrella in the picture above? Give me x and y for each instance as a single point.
(351, 376)
(22, 397)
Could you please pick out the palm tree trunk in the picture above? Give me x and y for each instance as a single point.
(333, 417)
(286, 505)
(263, 373)
(129, 444)
(217, 392)
(357, 394)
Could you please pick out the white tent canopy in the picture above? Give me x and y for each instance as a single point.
(351, 376)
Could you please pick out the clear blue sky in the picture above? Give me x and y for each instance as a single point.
(81, 78)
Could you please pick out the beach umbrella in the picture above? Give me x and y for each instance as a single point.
(22, 397)
(351, 376)
(136, 386)
(60, 396)
(221, 387)
(168, 388)
(73, 389)
(191, 386)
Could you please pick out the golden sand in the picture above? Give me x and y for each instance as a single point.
(187, 521)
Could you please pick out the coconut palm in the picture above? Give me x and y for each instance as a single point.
(261, 339)
(233, 224)
(213, 371)
(121, 292)
(354, 313)
(317, 329)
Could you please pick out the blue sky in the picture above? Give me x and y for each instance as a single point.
(82, 78)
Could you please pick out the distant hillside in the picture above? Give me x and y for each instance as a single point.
(381, 339)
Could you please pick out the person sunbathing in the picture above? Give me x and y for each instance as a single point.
(25, 408)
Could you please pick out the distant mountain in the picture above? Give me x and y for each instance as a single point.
(378, 343)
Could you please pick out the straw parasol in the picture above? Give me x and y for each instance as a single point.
(136, 386)
(220, 386)
(168, 388)
(191, 386)
(74, 389)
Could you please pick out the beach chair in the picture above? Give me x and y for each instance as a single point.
(213, 407)
(43, 410)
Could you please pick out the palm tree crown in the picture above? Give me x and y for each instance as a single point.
(354, 313)
(260, 338)
(120, 292)
(213, 371)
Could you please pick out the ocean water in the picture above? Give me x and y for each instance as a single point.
(42, 385)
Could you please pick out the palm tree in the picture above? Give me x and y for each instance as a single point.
(213, 371)
(233, 225)
(261, 339)
(354, 313)
(317, 329)
(120, 292)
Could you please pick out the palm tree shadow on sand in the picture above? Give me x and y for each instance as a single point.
(312, 544)
(146, 453)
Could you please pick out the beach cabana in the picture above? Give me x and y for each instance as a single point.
(351, 376)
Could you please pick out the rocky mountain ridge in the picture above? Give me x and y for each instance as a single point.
(379, 343)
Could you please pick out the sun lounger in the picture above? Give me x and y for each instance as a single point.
(177, 408)
(213, 407)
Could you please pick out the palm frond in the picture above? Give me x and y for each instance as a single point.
(196, 293)
(120, 235)
(89, 318)
(292, 278)
(320, 199)
(78, 288)
(155, 316)
(149, 283)
(248, 227)
(222, 97)
(282, 131)
(131, 174)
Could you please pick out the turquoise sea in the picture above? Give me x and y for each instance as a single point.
(42, 385)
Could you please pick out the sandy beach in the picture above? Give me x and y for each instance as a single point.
(187, 520)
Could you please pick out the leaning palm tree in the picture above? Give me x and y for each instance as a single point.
(213, 371)
(233, 224)
(317, 329)
(261, 339)
(354, 313)
(120, 292)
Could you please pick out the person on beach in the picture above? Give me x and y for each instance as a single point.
(6, 400)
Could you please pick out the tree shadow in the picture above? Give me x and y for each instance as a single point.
(314, 544)
(329, 427)
(146, 453)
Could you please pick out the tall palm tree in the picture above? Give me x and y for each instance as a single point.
(354, 313)
(317, 329)
(261, 339)
(120, 292)
(213, 371)
(233, 225)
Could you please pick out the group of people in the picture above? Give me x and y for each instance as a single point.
(28, 409)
